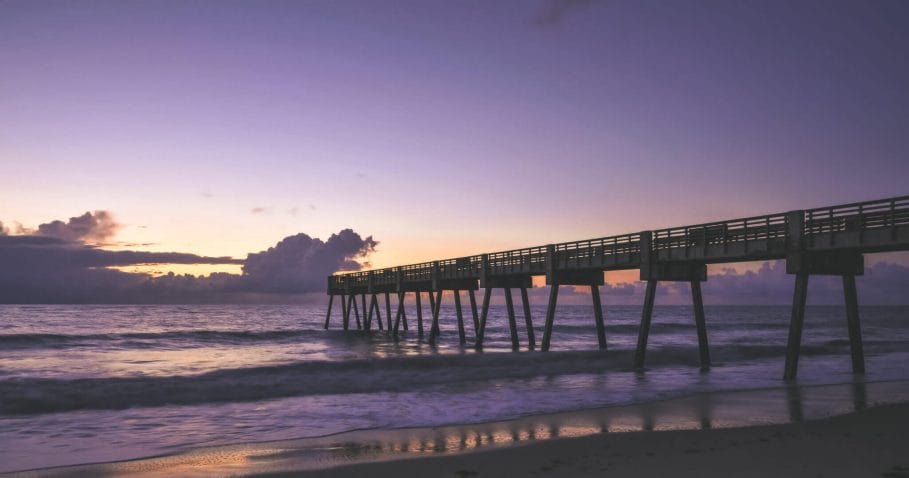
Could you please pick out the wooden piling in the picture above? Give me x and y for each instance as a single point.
(796, 322)
(375, 303)
(404, 312)
(434, 330)
(598, 315)
(550, 316)
(512, 323)
(644, 331)
(399, 313)
(356, 310)
(387, 312)
(852, 320)
(345, 302)
(528, 321)
(462, 337)
(419, 314)
(331, 300)
(484, 313)
(700, 321)
(473, 310)
(363, 301)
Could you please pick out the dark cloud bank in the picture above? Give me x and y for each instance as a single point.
(60, 262)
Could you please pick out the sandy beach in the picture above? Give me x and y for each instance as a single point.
(854, 429)
(872, 443)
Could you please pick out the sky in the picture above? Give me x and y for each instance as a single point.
(440, 128)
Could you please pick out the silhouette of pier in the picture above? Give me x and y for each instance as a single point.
(822, 241)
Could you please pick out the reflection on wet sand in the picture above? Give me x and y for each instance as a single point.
(699, 412)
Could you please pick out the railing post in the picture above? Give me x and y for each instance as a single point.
(645, 244)
(550, 264)
(795, 231)
(436, 274)
(484, 270)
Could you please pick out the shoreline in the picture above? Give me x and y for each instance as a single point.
(486, 446)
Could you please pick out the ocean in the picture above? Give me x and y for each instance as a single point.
(95, 383)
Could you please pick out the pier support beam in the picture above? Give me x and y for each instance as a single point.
(400, 312)
(804, 264)
(420, 314)
(484, 313)
(644, 330)
(677, 271)
(506, 283)
(512, 323)
(550, 316)
(528, 321)
(556, 278)
(353, 300)
(363, 302)
(345, 305)
(598, 315)
(374, 304)
(387, 312)
(855, 328)
(331, 300)
(796, 321)
(700, 321)
(473, 310)
(462, 337)
(434, 329)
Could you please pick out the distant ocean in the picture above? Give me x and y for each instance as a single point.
(90, 383)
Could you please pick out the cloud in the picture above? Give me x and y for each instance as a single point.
(301, 263)
(50, 269)
(554, 11)
(46, 268)
(90, 227)
(258, 210)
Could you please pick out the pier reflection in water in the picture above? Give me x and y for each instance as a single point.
(698, 412)
(760, 407)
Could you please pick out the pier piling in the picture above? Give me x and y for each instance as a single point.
(462, 337)
(528, 321)
(331, 300)
(512, 323)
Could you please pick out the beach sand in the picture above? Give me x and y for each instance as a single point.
(845, 430)
(872, 443)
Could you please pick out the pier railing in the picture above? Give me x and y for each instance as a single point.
(717, 239)
(884, 213)
(601, 253)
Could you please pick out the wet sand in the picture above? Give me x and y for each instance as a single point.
(856, 429)
(868, 443)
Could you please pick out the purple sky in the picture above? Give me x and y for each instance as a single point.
(444, 128)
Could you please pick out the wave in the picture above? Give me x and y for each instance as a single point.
(58, 341)
(26, 396)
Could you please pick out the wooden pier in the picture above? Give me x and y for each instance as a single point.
(822, 241)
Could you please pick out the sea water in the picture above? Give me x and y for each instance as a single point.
(92, 383)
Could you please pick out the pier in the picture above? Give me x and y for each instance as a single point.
(822, 241)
